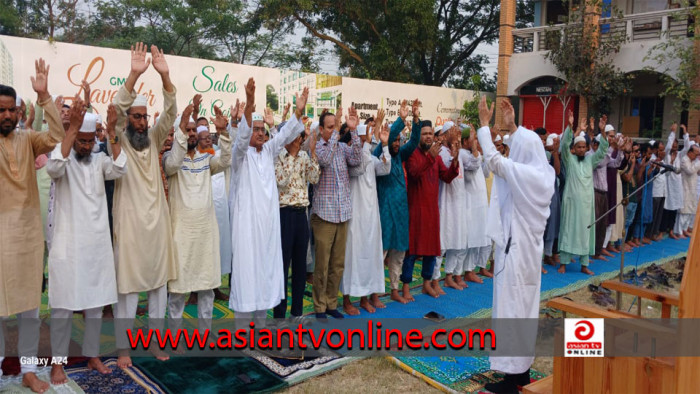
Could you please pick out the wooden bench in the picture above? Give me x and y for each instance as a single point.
(542, 386)
(667, 300)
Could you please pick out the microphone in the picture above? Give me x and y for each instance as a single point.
(665, 166)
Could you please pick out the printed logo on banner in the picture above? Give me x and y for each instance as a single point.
(583, 337)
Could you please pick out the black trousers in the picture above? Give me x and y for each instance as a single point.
(295, 241)
(668, 220)
(658, 215)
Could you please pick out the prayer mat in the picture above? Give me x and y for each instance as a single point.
(454, 374)
(294, 370)
(210, 375)
(13, 384)
(130, 380)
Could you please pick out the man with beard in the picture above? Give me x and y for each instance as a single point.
(393, 203)
(425, 171)
(674, 182)
(577, 209)
(81, 268)
(22, 241)
(143, 243)
(195, 239)
(257, 278)
(689, 171)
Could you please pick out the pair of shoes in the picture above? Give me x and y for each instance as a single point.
(334, 314)
(510, 383)
(599, 289)
(303, 320)
(603, 299)
(321, 316)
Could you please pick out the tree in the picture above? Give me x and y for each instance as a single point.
(585, 61)
(470, 109)
(419, 41)
(272, 98)
(679, 78)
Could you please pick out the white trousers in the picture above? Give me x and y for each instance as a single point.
(455, 261)
(395, 262)
(205, 309)
(608, 234)
(126, 312)
(61, 323)
(477, 257)
(28, 341)
(683, 222)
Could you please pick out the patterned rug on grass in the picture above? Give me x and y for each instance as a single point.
(296, 369)
(210, 375)
(131, 380)
(454, 374)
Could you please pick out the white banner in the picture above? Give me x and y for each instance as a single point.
(219, 83)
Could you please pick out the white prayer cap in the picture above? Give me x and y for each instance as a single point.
(314, 126)
(257, 117)
(18, 101)
(89, 123)
(140, 101)
(448, 125)
(582, 134)
(578, 139)
(652, 142)
(99, 119)
(438, 130)
(551, 138)
(597, 138)
(498, 138)
(362, 129)
(609, 127)
(464, 126)
(201, 129)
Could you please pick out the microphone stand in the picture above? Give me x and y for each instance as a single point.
(624, 202)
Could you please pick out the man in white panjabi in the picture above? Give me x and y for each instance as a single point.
(523, 188)
(454, 219)
(674, 201)
(143, 239)
(364, 257)
(195, 237)
(478, 243)
(81, 262)
(257, 282)
(690, 165)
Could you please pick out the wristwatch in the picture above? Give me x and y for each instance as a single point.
(114, 140)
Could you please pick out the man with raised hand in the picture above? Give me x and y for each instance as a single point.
(257, 277)
(22, 241)
(522, 191)
(143, 240)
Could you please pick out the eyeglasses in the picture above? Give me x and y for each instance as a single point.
(140, 116)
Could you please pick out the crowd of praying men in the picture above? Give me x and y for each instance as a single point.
(169, 206)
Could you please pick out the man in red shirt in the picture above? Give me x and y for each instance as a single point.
(424, 173)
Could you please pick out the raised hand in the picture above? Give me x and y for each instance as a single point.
(139, 64)
(234, 112)
(352, 120)
(570, 116)
(285, 113)
(415, 110)
(250, 100)
(508, 114)
(379, 118)
(86, 92)
(241, 109)
(30, 118)
(269, 117)
(403, 110)
(301, 102)
(582, 125)
(602, 122)
(196, 103)
(185, 117)
(40, 82)
(674, 127)
(683, 130)
(338, 118)
(485, 112)
(591, 123)
(76, 113)
(111, 120)
(219, 119)
(434, 149)
(159, 62)
(455, 152)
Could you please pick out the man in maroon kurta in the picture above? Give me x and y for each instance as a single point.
(424, 173)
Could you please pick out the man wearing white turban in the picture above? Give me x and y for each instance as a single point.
(523, 188)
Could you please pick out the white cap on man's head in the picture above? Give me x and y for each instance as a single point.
(201, 129)
(256, 117)
(609, 128)
(89, 123)
(448, 125)
(578, 139)
(18, 101)
(551, 138)
(140, 101)
(498, 138)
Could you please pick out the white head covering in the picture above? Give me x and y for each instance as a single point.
(578, 139)
(448, 125)
(257, 117)
(597, 138)
(582, 133)
(551, 138)
(609, 127)
(89, 123)
(18, 101)
(176, 124)
(527, 188)
(99, 119)
(362, 129)
(201, 129)
(652, 142)
(498, 138)
(438, 130)
(140, 101)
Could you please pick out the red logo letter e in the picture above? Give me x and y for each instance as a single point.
(585, 332)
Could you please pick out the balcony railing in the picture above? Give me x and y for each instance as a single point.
(637, 27)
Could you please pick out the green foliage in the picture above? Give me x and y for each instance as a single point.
(272, 98)
(470, 109)
(678, 78)
(587, 63)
